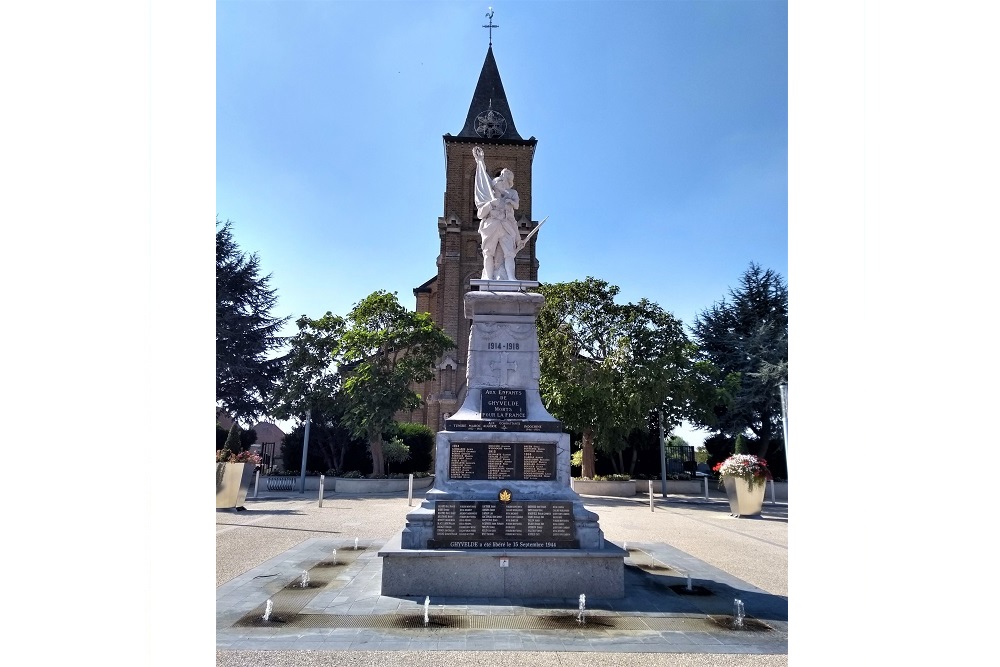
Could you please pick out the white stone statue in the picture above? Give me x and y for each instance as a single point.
(496, 201)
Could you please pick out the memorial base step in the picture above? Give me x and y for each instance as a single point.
(502, 573)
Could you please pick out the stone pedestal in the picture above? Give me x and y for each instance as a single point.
(501, 514)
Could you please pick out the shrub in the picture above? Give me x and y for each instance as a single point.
(395, 451)
(233, 439)
(247, 438)
(420, 440)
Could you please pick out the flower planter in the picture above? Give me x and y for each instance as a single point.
(591, 487)
(232, 481)
(743, 501)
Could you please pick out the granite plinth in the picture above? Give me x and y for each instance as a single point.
(527, 574)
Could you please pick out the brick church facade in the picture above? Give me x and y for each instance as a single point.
(490, 125)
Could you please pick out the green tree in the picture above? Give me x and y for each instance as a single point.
(384, 350)
(394, 450)
(677, 441)
(700, 455)
(605, 366)
(744, 344)
(246, 334)
(232, 444)
(247, 438)
(309, 387)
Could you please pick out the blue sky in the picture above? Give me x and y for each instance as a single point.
(661, 127)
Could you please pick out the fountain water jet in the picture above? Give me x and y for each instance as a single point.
(580, 617)
(427, 606)
(305, 580)
(738, 614)
(689, 581)
(334, 556)
(355, 544)
(267, 610)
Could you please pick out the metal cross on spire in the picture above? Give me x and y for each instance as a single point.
(490, 25)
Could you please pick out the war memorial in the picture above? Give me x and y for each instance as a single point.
(501, 519)
(500, 549)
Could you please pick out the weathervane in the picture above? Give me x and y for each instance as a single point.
(490, 25)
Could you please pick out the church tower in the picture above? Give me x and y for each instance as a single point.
(490, 125)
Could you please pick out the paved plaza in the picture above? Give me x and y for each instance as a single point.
(688, 561)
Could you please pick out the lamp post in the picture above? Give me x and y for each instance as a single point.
(783, 390)
(305, 451)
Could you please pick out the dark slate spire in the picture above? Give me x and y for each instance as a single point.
(489, 96)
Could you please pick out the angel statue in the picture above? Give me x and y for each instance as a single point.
(496, 200)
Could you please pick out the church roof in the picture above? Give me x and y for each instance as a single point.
(489, 96)
(426, 287)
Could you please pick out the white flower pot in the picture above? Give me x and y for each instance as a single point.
(232, 481)
(743, 501)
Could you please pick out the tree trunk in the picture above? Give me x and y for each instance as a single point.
(378, 460)
(587, 469)
(620, 463)
(765, 438)
(326, 448)
(635, 457)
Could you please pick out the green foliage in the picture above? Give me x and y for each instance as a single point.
(233, 443)
(743, 348)
(330, 445)
(384, 350)
(700, 455)
(719, 447)
(395, 451)
(741, 445)
(616, 477)
(309, 387)
(420, 440)
(246, 334)
(605, 366)
(310, 380)
(247, 437)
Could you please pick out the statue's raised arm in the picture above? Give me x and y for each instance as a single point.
(484, 185)
(496, 199)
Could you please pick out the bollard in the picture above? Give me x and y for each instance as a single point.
(705, 479)
(322, 479)
(256, 481)
(409, 497)
(771, 482)
(650, 495)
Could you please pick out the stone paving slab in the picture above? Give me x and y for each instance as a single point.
(357, 591)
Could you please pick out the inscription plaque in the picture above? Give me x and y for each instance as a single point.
(504, 403)
(510, 425)
(495, 525)
(503, 461)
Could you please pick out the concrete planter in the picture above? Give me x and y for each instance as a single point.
(362, 485)
(590, 487)
(678, 486)
(232, 481)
